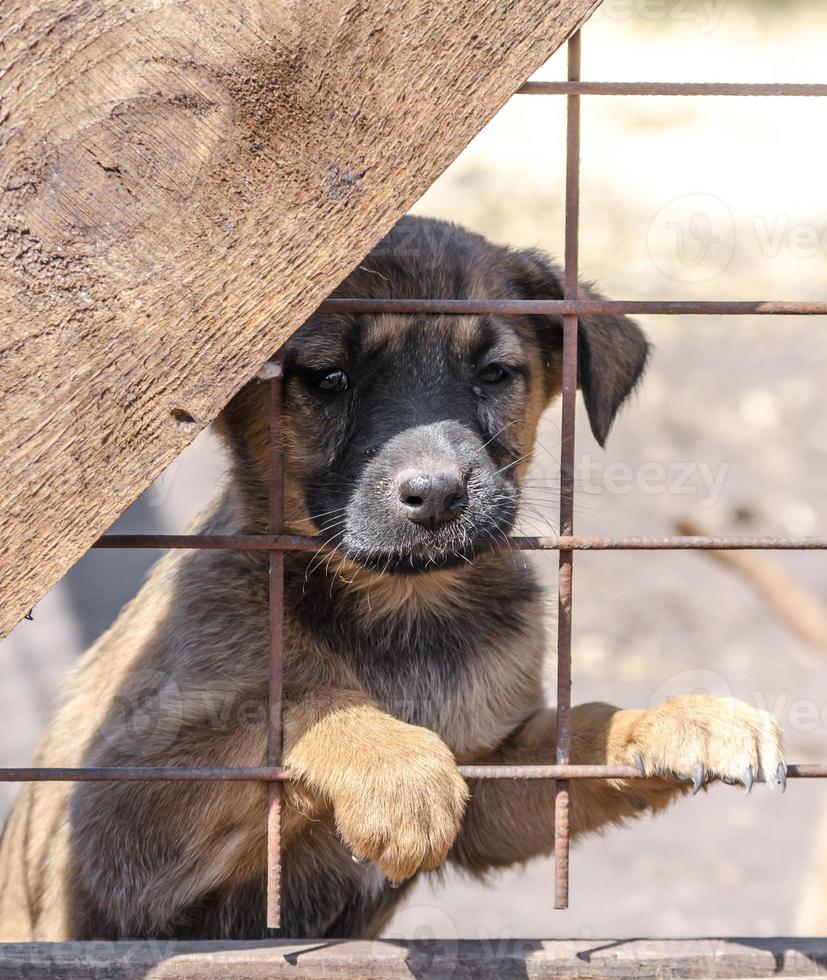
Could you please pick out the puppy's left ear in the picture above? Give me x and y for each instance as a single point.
(611, 350)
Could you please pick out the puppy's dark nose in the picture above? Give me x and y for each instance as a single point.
(431, 498)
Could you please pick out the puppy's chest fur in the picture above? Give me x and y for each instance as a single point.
(462, 657)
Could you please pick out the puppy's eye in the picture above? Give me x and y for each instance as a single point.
(493, 374)
(332, 381)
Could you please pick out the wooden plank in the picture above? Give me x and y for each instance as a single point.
(437, 960)
(180, 185)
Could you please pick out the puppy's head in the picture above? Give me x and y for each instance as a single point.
(406, 436)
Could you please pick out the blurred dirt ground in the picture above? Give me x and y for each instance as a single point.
(682, 198)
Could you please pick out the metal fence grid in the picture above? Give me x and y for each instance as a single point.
(570, 308)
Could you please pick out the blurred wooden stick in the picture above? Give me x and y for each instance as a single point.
(795, 605)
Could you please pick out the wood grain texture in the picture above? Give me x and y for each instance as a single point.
(181, 183)
(436, 959)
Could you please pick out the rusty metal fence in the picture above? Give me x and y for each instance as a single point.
(570, 308)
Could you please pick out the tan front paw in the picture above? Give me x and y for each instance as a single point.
(402, 809)
(700, 738)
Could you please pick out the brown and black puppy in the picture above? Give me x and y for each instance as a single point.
(417, 645)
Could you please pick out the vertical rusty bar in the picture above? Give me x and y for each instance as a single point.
(276, 595)
(564, 594)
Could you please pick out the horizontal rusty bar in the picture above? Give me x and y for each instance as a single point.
(578, 307)
(267, 774)
(772, 89)
(143, 774)
(794, 771)
(267, 542)
(668, 544)
(211, 542)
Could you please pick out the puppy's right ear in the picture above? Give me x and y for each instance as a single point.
(611, 350)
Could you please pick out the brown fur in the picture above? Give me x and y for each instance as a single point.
(392, 680)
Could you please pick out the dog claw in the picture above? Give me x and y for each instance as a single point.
(748, 779)
(395, 884)
(698, 778)
(638, 761)
(358, 860)
(781, 775)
